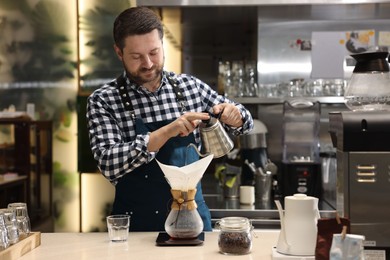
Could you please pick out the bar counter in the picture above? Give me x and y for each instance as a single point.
(141, 245)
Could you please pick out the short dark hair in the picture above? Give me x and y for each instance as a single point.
(136, 21)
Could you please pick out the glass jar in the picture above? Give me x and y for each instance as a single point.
(235, 236)
(368, 88)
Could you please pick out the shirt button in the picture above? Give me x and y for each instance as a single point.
(131, 213)
(156, 211)
(146, 176)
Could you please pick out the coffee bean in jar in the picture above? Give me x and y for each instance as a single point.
(235, 236)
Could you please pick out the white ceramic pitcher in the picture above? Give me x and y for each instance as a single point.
(298, 233)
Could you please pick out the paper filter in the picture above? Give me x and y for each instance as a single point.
(186, 177)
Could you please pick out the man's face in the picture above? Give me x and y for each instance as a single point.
(143, 57)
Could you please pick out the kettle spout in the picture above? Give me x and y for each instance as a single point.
(282, 245)
(197, 151)
(281, 213)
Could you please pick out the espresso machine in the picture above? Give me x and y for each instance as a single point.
(301, 163)
(362, 139)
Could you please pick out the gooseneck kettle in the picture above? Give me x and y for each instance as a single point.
(215, 139)
(298, 232)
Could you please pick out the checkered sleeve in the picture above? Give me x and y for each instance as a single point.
(115, 155)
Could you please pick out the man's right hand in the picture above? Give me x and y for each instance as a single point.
(182, 126)
(187, 123)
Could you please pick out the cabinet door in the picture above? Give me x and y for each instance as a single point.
(41, 170)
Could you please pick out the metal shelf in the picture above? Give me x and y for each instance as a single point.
(250, 2)
(263, 100)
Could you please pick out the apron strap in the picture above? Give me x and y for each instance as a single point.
(121, 85)
(179, 95)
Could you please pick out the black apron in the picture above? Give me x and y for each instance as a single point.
(144, 193)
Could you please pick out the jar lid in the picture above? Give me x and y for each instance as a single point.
(234, 224)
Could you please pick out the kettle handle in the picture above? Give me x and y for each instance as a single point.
(220, 114)
(217, 116)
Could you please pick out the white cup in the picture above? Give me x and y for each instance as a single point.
(118, 227)
(247, 195)
(31, 110)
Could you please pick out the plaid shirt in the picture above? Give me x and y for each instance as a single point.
(114, 143)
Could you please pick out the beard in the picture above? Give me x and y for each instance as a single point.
(140, 78)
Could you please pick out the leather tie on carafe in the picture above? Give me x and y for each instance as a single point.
(178, 199)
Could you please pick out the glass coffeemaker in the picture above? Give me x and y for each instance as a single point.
(301, 163)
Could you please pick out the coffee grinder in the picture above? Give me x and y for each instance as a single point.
(362, 139)
(301, 163)
(253, 148)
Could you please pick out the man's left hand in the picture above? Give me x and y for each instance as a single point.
(230, 114)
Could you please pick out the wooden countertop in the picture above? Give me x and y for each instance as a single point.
(141, 245)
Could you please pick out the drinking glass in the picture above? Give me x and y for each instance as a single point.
(314, 88)
(268, 90)
(4, 243)
(22, 217)
(118, 227)
(10, 224)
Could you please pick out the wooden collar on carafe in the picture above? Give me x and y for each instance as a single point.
(178, 199)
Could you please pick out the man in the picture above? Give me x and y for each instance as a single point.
(146, 114)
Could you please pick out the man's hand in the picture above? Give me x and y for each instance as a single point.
(187, 123)
(230, 114)
(182, 126)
